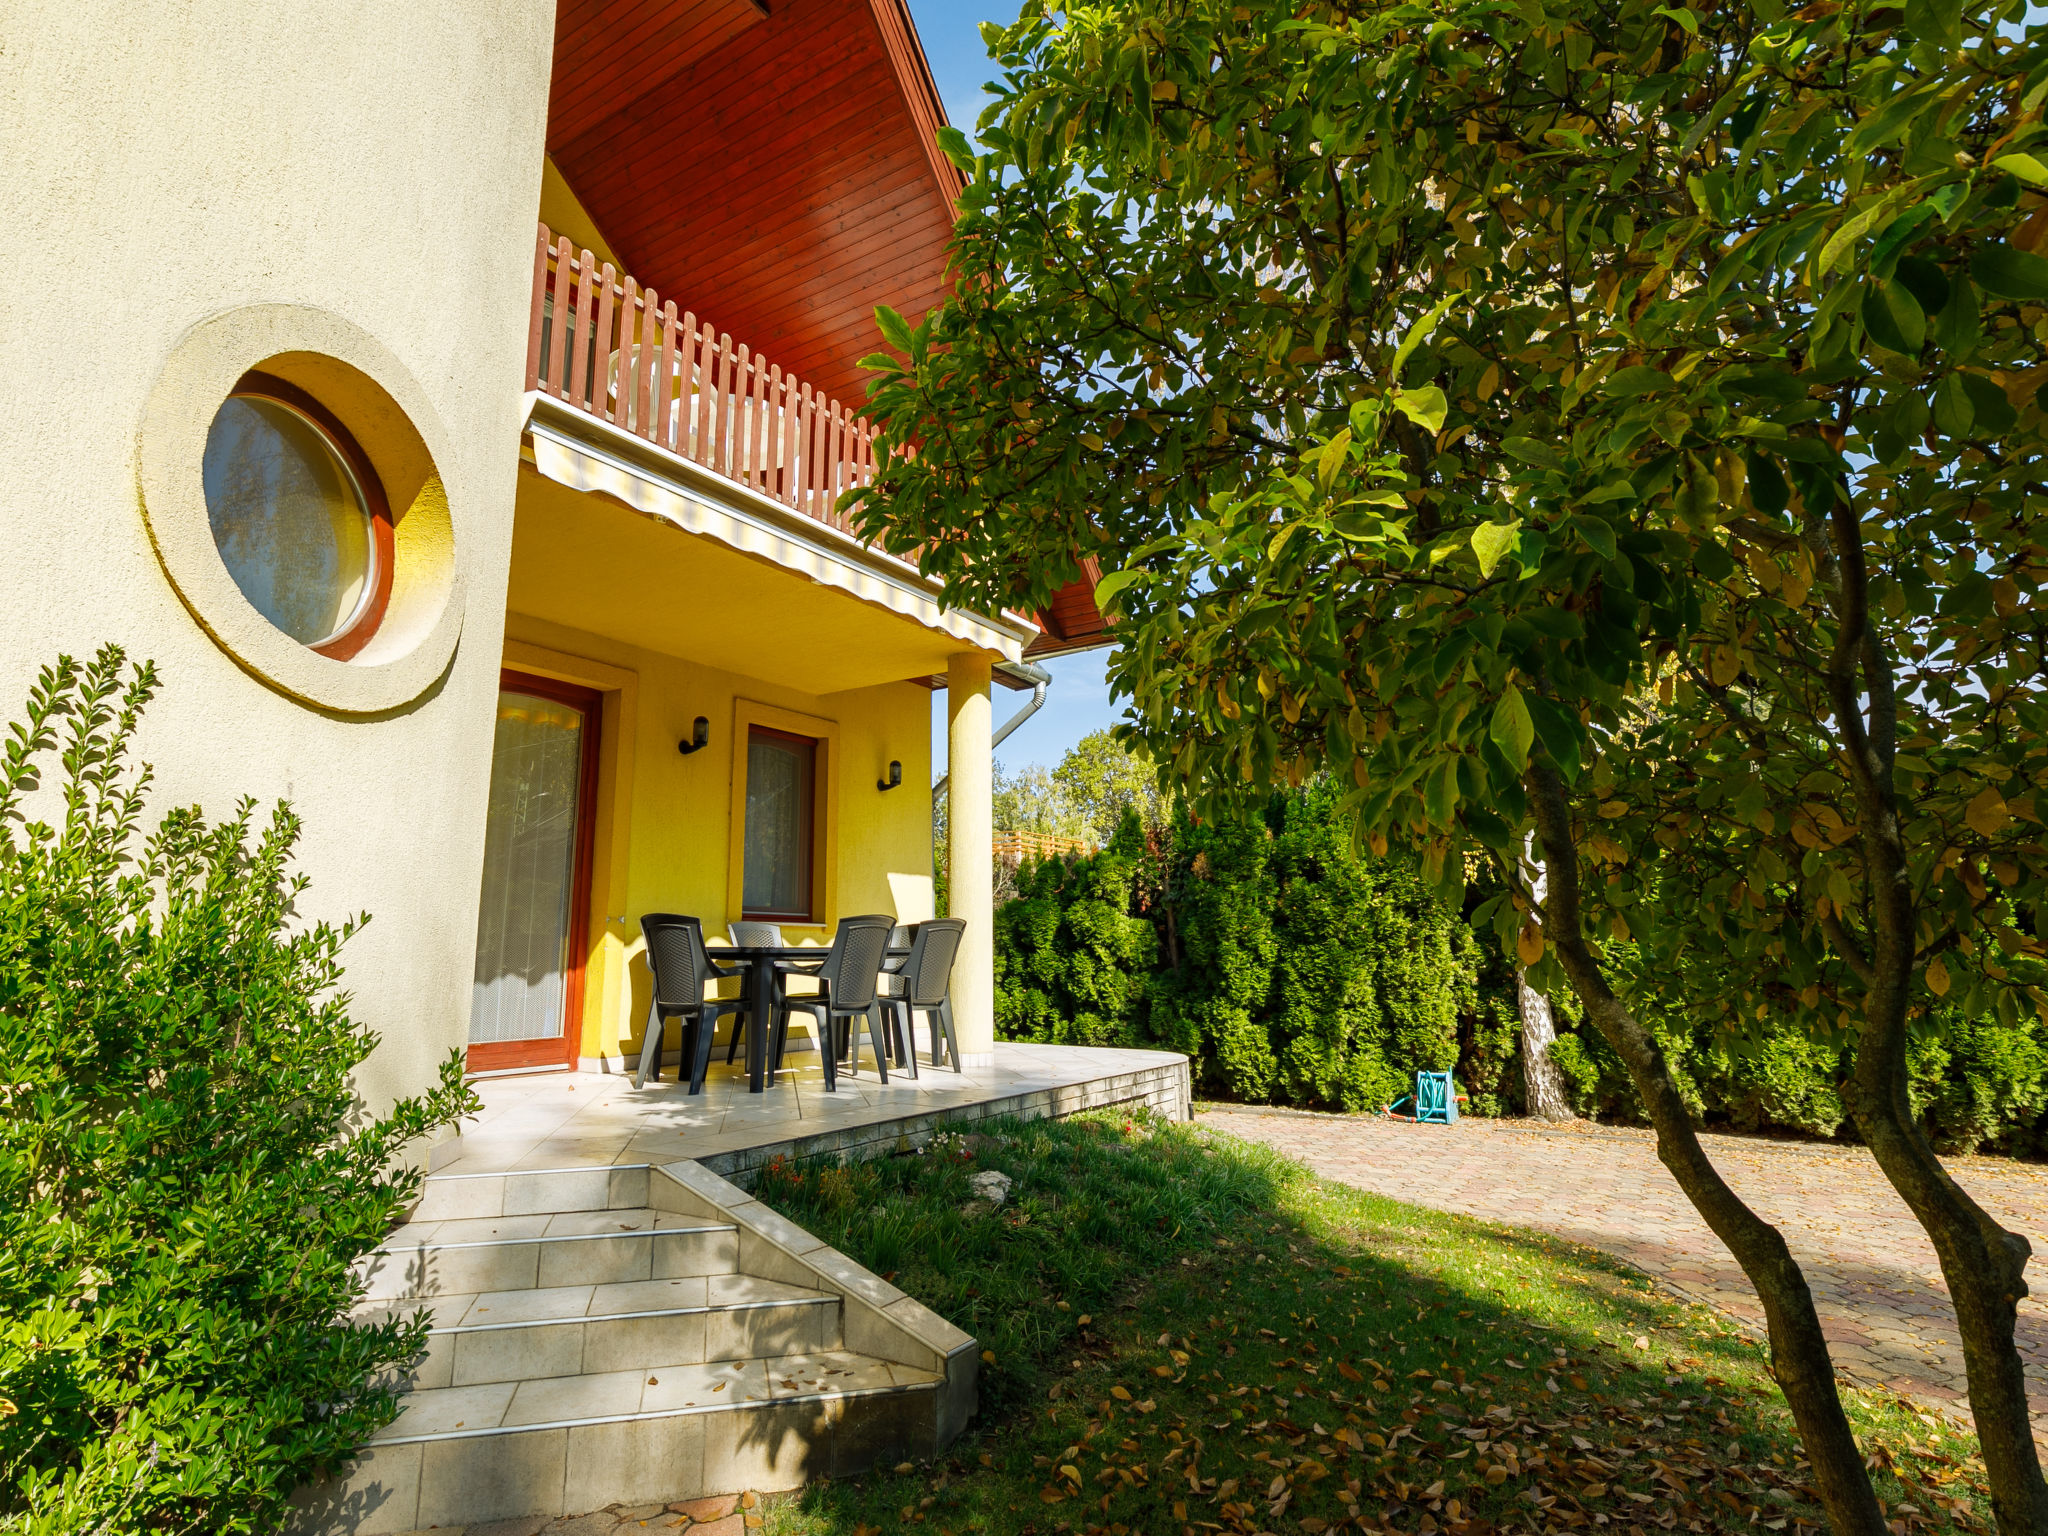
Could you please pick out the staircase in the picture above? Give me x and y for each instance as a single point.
(630, 1335)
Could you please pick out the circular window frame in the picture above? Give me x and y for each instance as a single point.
(362, 624)
(395, 425)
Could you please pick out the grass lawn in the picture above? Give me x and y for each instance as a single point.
(1188, 1333)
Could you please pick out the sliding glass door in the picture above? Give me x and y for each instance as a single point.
(531, 927)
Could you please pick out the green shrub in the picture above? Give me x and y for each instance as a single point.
(1071, 956)
(1286, 964)
(1290, 968)
(186, 1179)
(1981, 1083)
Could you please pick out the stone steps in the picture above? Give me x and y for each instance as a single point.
(618, 1335)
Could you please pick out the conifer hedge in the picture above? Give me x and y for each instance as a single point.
(1292, 969)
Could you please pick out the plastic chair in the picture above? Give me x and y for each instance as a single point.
(676, 956)
(847, 982)
(928, 975)
(750, 936)
(892, 985)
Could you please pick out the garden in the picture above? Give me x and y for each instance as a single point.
(1187, 1332)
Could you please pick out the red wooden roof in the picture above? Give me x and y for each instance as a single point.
(774, 169)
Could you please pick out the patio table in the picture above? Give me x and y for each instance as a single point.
(760, 961)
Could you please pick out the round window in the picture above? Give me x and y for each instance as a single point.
(298, 516)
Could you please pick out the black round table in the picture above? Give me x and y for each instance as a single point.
(760, 961)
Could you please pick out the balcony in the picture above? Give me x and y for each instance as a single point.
(601, 344)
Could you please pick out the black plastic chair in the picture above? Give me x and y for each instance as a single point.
(847, 982)
(928, 977)
(891, 985)
(676, 956)
(751, 936)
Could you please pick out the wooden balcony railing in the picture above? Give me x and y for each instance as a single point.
(603, 344)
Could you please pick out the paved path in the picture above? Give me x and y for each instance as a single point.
(1874, 1274)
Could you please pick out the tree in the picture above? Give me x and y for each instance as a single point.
(1102, 778)
(1032, 801)
(1442, 380)
(1542, 1083)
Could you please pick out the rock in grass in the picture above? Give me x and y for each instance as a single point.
(991, 1186)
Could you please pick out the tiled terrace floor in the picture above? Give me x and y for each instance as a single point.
(1874, 1275)
(579, 1119)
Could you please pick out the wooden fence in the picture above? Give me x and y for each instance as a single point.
(605, 345)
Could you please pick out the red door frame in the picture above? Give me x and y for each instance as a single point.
(510, 1055)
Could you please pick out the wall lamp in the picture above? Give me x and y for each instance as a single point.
(895, 777)
(700, 737)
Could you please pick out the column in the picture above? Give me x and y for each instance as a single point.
(970, 853)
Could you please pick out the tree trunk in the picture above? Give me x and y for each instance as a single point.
(1799, 1352)
(1983, 1264)
(1542, 1084)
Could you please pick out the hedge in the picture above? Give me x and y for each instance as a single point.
(1292, 969)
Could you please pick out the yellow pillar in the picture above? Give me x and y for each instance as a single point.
(970, 854)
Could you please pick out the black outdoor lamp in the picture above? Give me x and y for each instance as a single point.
(700, 737)
(895, 777)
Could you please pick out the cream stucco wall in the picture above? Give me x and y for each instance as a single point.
(377, 163)
(666, 839)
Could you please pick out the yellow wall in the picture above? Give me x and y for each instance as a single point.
(375, 165)
(667, 839)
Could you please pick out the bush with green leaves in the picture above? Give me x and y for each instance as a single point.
(187, 1180)
(1072, 955)
(1288, 965)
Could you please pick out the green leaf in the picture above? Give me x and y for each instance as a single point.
(1992, 413)
(1531, 450)
(1898, 232)
(1492, 540)
(1839, 254)
(2026, 167)
(1425, 407)
(2009, 273)
(1511, 728)
(1440, 792)
(1558, 729)
(1936, 21)
(1599, 536)
(1684, 17)
(1636, 381)
(1925, 281)
(1768, 492)
(1892, 317)
(1417, 334)
(894, 330)
(1110, 585)
(1961, 324)
(954, 144)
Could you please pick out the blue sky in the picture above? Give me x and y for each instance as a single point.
(1078, 701)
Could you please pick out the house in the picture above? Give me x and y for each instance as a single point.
(454, 402)
(456, 408)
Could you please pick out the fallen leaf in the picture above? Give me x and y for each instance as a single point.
(1121, 1394)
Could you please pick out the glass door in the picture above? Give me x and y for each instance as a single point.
(527, 1006)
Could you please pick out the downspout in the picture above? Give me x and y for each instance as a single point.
(1040, 680)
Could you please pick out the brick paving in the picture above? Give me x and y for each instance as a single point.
(1874, 1275)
